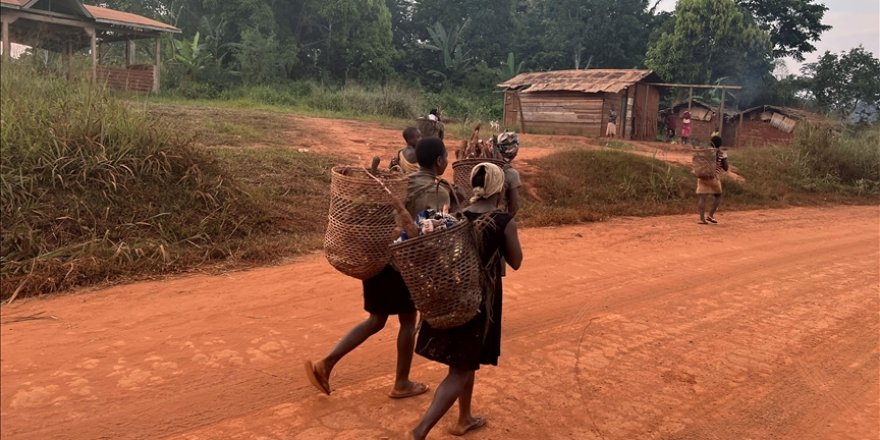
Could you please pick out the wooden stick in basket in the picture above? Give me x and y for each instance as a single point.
(409, 225)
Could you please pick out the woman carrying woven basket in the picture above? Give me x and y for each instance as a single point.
(712, 186)
(466, 347)
(384, 294)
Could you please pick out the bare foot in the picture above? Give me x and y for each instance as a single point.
(317, 375)
(462, 428)
(409, 389)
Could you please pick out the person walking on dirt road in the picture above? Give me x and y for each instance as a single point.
(712, 186)
(477, 341)
(384, 294)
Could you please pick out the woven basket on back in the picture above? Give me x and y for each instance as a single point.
(705, 163)
(361, 221)
(442, 272)
(429, 128)
(461, 171)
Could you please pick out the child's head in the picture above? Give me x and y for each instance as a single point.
(412, 136)
(431, 155)
(716, 140)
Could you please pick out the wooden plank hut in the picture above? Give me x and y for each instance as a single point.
(69, 27)
(768, 124)
(578, 102)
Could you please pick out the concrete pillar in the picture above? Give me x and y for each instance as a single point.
(7, 45)
(158, 65)
(130, 51)
(93, 46)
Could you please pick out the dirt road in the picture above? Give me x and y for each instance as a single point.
(762, 327)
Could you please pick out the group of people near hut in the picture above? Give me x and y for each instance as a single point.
(462, 348)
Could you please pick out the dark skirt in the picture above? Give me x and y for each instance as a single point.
(386, 294)
(468, 345)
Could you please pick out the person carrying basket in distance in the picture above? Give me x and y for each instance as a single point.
(508, 147)
(384, 294)
(709, 183)
(405, 161)
(464, 348)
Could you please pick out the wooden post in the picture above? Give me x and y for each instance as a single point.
(645, 114)
(130, 51)
(522, 118)
(93, 47)
(739, 129)
(66, 56)
(721, 125)
(690, 98)
(158, 66)
(621, 117)
(7, 45)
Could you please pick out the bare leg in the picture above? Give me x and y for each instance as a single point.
(448, 390)
(701, 205)
(406, 340)
(715, 204)
(465, 418)
(349, 342)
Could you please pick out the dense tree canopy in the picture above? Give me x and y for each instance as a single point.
(473, 44)
(848, 83)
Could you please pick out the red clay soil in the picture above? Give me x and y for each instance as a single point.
(761, 327)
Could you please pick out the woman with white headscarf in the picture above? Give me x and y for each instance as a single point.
(466, 347)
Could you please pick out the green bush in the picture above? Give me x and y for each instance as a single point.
(819, 161)
(92, 190)
(581, 185)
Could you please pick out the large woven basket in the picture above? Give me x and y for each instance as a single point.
(461, 171)
(429, 128)
(362, 220)
(442, 272)
(705, 163)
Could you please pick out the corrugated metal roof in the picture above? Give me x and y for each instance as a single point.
(812, 118)
(18, 3)
(112, 16)
(585, 81)
(101, 15)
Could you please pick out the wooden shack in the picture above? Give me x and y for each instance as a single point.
(578, 102)
(70, 27)
(704, 120)
(767, 125)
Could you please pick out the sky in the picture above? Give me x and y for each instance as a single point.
(853, 22)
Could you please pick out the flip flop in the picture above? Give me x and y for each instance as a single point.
(311, 373)
(417, 389)
(479, 422)
(711, 220)
(702, 222)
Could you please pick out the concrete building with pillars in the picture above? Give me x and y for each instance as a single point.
(69, 27)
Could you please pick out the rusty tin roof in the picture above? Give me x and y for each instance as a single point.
(585, 81)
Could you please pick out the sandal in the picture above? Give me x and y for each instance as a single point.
(711, 220)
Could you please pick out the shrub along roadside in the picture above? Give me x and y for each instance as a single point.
(579, 185)
(92, 190)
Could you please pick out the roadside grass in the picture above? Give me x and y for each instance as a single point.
(575, 185)
(93, 191)
(98, 189)
(578, 186)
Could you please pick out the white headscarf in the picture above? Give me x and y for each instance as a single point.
(493, 183)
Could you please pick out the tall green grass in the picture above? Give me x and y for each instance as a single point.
(818, 161)
(94, 190)
(353, 100)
